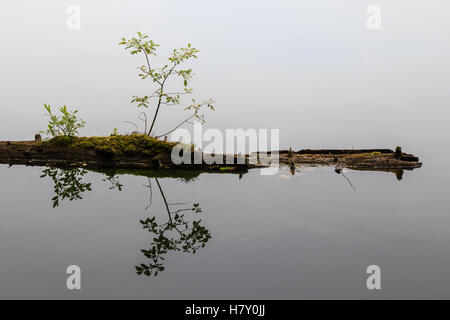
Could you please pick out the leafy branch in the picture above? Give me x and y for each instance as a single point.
(177, 234)
(68, 183)
(142, 44)
(67, 124)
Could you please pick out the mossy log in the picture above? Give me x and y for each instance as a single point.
(113, 152)
(358, 159)
(142, 152)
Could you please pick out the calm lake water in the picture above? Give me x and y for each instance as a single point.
(311, 69)
(310, 235)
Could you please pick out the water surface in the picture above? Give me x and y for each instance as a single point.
(308, 235)
(311, 69)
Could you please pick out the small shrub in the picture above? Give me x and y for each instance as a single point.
(67, 124)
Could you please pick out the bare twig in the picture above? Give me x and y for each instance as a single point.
(134, 124)
(151, 193)
(145, 120)
(349, 182)
(183, 122)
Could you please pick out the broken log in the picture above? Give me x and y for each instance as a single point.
(142, 152)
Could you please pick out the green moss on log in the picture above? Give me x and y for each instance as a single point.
(115, 144)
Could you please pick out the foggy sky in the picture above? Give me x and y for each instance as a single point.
(309, 68)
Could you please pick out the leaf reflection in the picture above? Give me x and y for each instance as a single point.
(68, 183)
(178, 233)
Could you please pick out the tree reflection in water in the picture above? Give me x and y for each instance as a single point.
(114, 180)
(178, 233)
(68, 183)
(181, 231)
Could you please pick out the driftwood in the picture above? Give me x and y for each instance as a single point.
(36, 153)
(356, 159)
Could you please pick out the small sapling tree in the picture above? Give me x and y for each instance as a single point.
(142, 44)
(67, 124)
